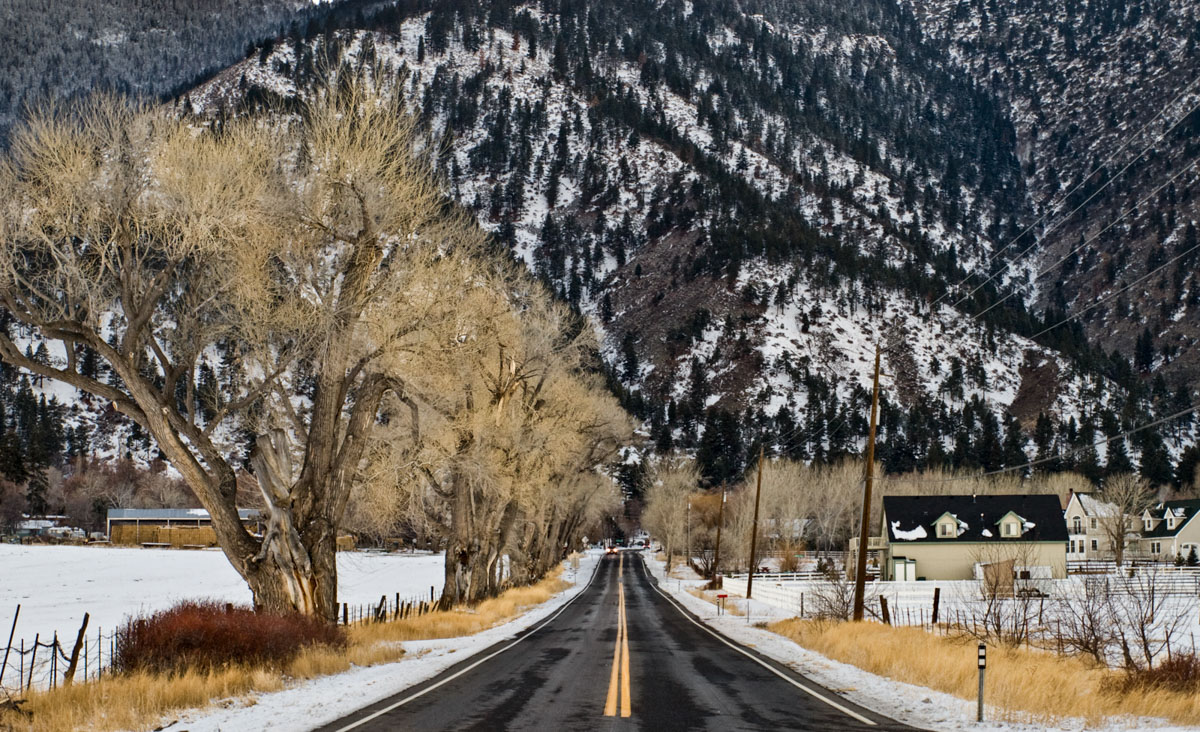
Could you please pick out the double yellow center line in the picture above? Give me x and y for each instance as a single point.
(618, 684)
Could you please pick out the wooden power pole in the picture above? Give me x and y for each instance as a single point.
(860, 572)
(716, 568)
(754, 530)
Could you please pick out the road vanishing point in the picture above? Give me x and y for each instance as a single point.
(621, 655)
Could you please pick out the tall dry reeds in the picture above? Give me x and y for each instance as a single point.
(1027, 685)
(141, 700)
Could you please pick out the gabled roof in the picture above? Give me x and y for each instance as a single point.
(1185, 510)
(977, 517)
(1093, 506)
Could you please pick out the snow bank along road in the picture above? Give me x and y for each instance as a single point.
(620, 656)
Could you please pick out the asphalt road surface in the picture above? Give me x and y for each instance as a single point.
(620, 656)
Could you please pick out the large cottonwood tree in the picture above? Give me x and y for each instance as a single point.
(301, 251)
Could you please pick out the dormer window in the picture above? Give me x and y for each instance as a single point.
(1010, 528)
(1146, 524)
(1170, 522)
(945, 529)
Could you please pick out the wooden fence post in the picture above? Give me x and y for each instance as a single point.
(937, 598)
(887, 618)
(69, 676)
(33, 659)
(8, 648)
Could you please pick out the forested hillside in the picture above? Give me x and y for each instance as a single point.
(1105, 100)
(745, 200)
(66, 49)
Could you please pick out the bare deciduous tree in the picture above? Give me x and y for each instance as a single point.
(666, 514)
(1126, 495)
(303, 248)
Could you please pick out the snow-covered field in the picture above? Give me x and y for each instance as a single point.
(915, 705)
(56, 585)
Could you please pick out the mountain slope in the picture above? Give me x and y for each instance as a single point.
(1110, 87)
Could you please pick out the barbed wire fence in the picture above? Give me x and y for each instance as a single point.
(44, 664)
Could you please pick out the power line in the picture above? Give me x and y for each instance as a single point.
(1090, 239)
(1073, 211)
(1121, 291)
(1080, 184)
(1067, 454)
(791, 441)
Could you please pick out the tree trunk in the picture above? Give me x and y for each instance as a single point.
(285, 588)
(463, 552)
(295, 570)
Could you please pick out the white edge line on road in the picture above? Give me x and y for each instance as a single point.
(485, 659)
(763, 663)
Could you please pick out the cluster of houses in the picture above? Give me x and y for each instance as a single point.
(954, 537)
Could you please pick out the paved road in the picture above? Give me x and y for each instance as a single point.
(620, 656)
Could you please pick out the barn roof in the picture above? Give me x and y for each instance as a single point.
(173, 514)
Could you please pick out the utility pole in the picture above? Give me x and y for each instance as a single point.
(716, 569)
(860, 573)
(687, 550)
(754, 531)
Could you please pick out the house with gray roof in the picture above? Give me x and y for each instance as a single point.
(1170, 529)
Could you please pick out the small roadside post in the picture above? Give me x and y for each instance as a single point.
(982, 667)
(721, 603)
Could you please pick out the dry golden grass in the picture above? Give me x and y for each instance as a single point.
(731, 603)
(142, 701)
(1028, 685)
(464, 620)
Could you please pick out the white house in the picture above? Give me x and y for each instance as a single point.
(1170, 529)
(1087, 521)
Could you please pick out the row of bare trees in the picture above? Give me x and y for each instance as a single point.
(380, 351)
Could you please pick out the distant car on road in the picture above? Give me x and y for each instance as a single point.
(610, 549)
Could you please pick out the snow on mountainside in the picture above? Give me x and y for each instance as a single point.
(1096, 83)
(743, 212)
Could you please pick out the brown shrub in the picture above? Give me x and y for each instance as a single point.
(208, 635)
(1180, 673)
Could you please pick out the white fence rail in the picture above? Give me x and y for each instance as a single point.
(911, 603)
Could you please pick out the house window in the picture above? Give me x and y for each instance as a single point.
(1010, 528)
(1077, 524)
(1170, 522)
(1095, 545)
(1093, 523)
(1155, 547)
(1146, 524)
(944, 529)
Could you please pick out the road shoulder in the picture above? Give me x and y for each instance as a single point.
(311, 704)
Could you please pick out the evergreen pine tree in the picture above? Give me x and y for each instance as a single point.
(35, 493)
